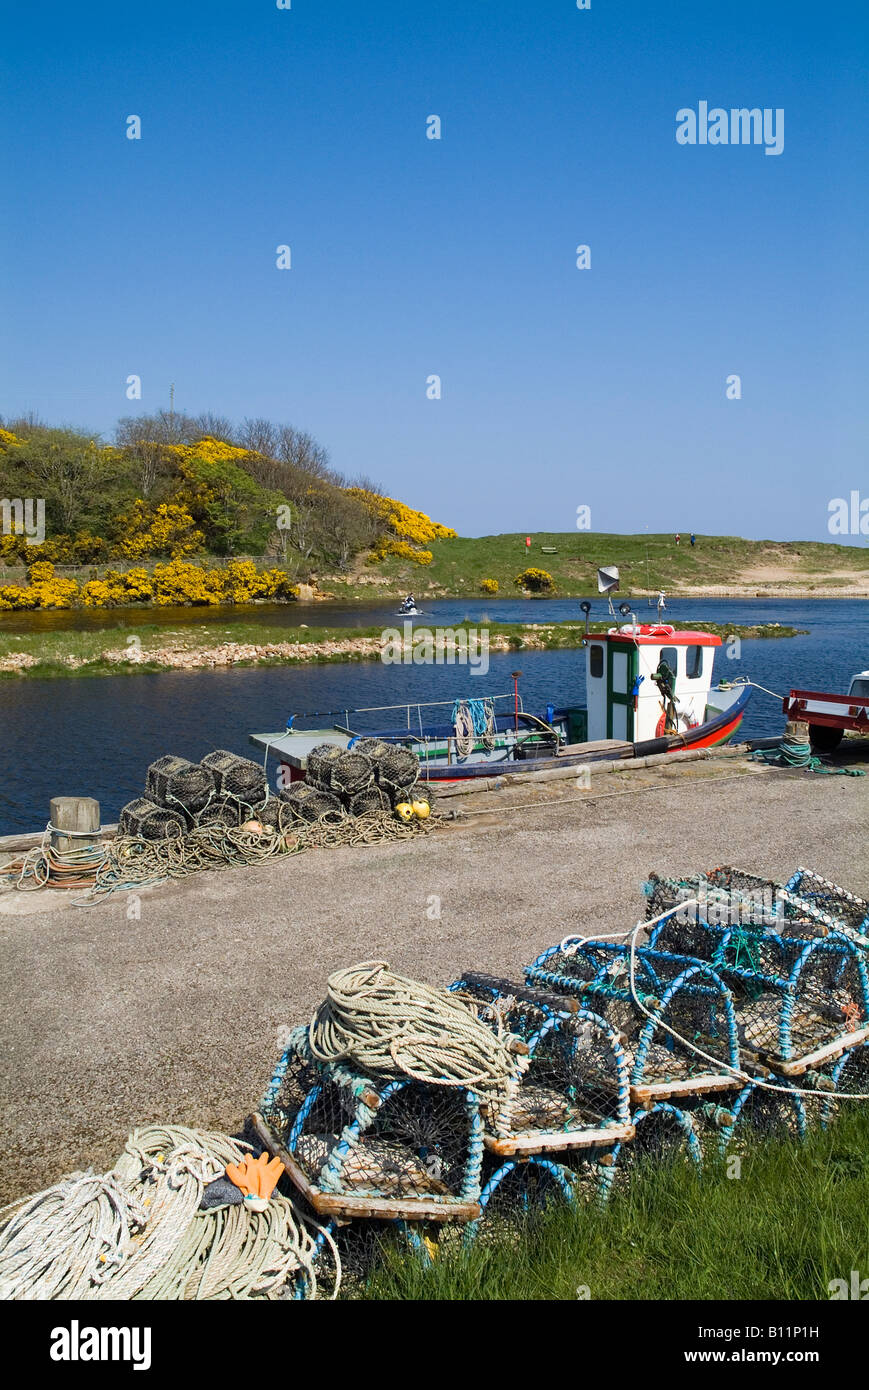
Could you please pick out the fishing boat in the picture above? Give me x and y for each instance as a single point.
(649, 690)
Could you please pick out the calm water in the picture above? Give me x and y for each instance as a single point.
(96, 736)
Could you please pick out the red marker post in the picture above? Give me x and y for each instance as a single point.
(527, 542)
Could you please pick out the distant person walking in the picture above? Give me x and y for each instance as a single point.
(678, 538)
(693, 538)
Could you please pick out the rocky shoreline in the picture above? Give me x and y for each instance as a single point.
(370, 647)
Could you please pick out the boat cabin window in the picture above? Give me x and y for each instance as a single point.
(595, 661)
(671, 656)
(860, 688)
(693, 663)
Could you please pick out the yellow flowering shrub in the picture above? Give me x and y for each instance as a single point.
(13, 596)
(212, 450)
(489, 586)
(179, 582)
(242, 582)
(410, 530)
(406, 552)
(168, 529)
(137, 585)
(175, 583)
(537, 581)
(7, 439)
(46, 589)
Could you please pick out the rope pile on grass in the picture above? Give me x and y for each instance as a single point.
(138, 1232)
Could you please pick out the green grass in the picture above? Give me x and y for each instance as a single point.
(87, 648)
(794, 1220)
(646, 562)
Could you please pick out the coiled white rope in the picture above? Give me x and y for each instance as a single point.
(137, 1232)
(386, 1024)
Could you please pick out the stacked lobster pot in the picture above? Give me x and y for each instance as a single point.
(369, 776)
(558, 1129)
(675, 1021)
(177, 791)
(239, 783)
(831, 907)
(373, 1147)
(799, 984)
(344, 778)
(223, 790)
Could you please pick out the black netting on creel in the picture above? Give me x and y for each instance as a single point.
(515, 1194)
(760, 1113)
(828, 1000)
(238, 777)
(373, 748)
(372, 799)
(318, 766)
(308, 803)
(276, 814)
(300, 1077)
(417, 1143)
(146, 820)
(351, 772)
(571, 1081)
(172, 779)
(396, 768)
(223, 812)
(684, 933)
(726, 897)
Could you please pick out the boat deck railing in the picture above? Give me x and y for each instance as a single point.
(409, 707)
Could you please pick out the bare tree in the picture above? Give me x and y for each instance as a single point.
(68, 465)
(259, 435)
(144, 439)
(211, 426)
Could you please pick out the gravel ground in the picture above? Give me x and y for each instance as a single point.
(111, 1021)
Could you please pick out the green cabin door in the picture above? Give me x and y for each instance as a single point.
(622, 667)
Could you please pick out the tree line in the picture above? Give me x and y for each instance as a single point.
(171, 483)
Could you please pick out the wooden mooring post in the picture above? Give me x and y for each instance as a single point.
(80, 814)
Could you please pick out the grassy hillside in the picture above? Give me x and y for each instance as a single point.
(647, 563)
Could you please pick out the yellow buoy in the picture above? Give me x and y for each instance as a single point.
(254, 826)
(421, 809)
(404, 811)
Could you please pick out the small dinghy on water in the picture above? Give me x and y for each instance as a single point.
(649, 690)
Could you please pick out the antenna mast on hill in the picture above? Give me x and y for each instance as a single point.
(172, 410)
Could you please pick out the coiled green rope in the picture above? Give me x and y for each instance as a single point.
(792, 754)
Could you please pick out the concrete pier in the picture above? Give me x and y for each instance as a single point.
(167, 1005)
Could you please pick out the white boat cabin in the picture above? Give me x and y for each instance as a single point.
(625, 702)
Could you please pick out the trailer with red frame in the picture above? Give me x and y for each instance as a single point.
(828, 716)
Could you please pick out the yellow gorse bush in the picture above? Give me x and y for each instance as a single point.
(177, 582)
(489, 586)
(45, 589)
(168, 529)
(212, 450)
(538, 581)
(410, 530)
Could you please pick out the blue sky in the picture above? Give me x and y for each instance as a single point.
(603, 387)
